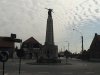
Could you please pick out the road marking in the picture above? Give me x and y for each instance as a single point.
(6, 74)
(0, 70)
(89, 72)
(44, 72)
(68, 73)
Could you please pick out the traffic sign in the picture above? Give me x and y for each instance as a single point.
(17, 40)
(4, 56)
(13, 36)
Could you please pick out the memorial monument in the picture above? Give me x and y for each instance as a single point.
(49, 49)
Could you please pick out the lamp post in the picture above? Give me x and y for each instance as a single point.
(66, 52)
(81, 38)
(68, 45)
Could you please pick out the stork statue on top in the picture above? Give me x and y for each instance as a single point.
(50, 12)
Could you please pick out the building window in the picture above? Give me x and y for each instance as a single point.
(25, 45)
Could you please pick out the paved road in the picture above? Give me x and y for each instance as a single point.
(73, 67)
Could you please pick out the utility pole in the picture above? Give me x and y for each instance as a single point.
(82, 43)
(68, 45)
(81, 39)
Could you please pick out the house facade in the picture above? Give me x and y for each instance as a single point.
(31, 47)
(7, 45)
(94, 50)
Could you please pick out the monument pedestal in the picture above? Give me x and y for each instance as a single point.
(50, 51)
(49, 54)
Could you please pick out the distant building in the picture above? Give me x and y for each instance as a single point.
(31, 47)
(67, 53)
(61, 54)
(7, 45)
(94, 51)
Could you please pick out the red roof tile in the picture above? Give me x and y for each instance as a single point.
(31, 40)
(5, 42)
(98, 37)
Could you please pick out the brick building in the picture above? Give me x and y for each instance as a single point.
(31, 47)
(94, 51)
(7, 45)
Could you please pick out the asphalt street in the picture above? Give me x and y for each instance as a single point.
(73, 67)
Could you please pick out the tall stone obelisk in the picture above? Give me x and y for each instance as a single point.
(50, 49)
(49, 31)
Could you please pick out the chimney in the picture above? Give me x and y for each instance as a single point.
(96, 34)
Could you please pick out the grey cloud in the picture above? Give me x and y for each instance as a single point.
(80, 17)
(95, 1)
(97, 10)
(28, 17)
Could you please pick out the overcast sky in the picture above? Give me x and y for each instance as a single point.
(28, 18)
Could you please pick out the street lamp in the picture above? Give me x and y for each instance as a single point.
(68, 45)
(81, 38)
